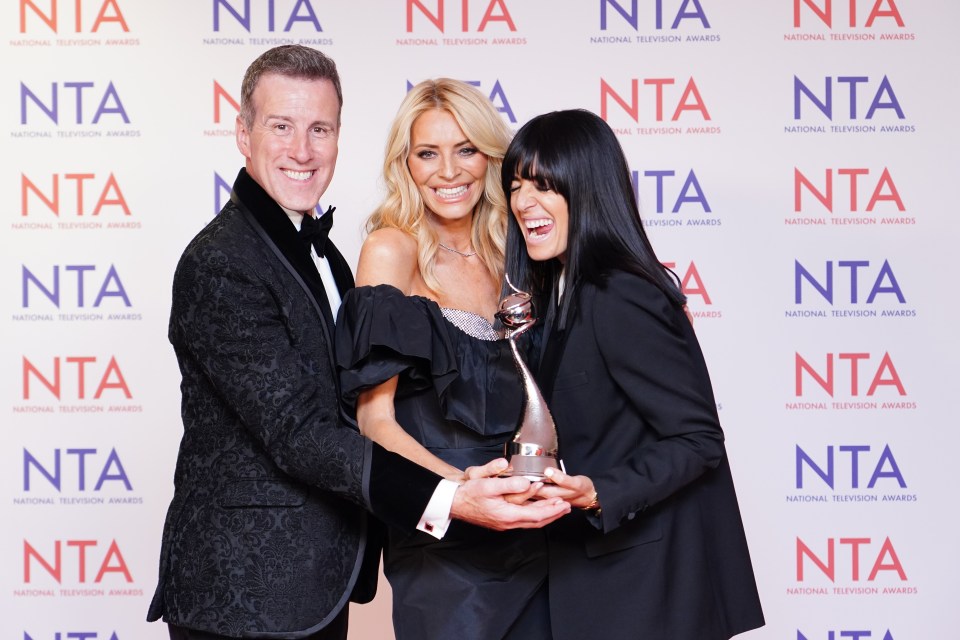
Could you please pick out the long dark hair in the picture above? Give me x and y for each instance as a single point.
(577, 155)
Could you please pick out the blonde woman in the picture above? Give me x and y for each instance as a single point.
(428, 374)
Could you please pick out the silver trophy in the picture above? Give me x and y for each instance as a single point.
(533, 448)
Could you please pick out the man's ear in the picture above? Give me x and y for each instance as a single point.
(243, 137)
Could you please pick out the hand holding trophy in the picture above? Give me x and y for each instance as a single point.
(533, 448)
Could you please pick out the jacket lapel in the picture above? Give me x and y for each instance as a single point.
(272, 223)
(342, 274)
(552, 344)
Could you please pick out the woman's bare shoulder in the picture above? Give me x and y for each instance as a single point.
(388, 256)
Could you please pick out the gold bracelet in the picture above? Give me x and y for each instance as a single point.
(594, 506)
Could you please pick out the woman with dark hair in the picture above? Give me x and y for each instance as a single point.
(657, 549)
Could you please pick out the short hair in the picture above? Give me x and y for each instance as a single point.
(292, 61)
(576, 154)
(403, 208)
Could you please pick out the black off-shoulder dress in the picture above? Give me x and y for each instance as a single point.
(459, 394)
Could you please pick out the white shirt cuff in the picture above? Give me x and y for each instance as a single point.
(436, 517)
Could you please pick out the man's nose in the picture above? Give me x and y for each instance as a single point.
(301, 147)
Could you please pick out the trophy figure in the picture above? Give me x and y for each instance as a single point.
(533, 447)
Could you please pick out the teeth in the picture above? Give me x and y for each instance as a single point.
(533, 226)
(297, 175)
(451, 193)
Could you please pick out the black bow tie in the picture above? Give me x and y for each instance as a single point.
(314, 231)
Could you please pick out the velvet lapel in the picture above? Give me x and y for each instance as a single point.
(340, 269)
(273, 221)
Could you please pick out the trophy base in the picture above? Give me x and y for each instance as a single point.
(531, 467)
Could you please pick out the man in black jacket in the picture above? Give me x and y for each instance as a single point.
(266, 532)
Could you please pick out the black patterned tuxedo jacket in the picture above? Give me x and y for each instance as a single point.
(265, 535)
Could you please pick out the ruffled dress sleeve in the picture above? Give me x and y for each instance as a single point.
(381, 333)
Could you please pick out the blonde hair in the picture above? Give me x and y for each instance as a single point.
(402, 207)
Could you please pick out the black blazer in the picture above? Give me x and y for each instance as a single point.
(265, 534)
(667, 558)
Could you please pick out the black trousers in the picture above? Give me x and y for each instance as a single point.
(336, 630)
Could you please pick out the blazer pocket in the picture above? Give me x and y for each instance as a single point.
(642, 530)
(570, 380)
(262, 492)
